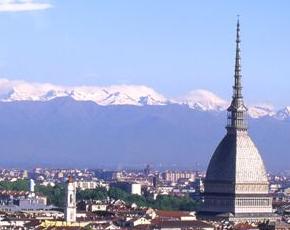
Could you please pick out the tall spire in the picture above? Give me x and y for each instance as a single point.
(237, 110)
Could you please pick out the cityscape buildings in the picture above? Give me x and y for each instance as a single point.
(107, 212)
(235, 192)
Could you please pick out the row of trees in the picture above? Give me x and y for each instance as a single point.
(55, 196)
(163, 202)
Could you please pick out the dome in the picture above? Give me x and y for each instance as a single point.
(236, 160)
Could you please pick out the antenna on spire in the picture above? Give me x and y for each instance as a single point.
(238, 22)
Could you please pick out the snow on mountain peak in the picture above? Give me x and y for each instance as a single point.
(261, 110)
(110, 95)
(203, 100)
(138, 95)
(283, 114)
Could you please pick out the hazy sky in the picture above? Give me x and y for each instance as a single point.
(172, 46)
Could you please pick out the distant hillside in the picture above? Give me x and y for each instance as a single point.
(63, 132)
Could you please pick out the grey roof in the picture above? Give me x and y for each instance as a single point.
(236, 159)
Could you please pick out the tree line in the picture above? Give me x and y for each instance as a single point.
(55, 196)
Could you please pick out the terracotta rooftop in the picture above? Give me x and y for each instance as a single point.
(172, 214)
(184, 224)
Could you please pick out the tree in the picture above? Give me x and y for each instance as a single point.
(99, 193)
(19, 185)
(117, 194)
(55, 195)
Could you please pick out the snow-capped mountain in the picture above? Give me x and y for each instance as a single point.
(257, 111)
(111, 95)
(139, 95)
(203, 100)
(283, 114)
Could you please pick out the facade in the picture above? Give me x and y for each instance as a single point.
(90, 184)
(13, 201)
(136, 189)
(21, 204)
(174, 176)
(97, 207)
(83, 185)
(236, 184)
(70, 199)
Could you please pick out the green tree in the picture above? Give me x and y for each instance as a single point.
(139, 200)
(99, 193)
(117, 193)
(166, 202)
(55, 195)
(19, 185)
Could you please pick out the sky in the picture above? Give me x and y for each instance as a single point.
(169, 45)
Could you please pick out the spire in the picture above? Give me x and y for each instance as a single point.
(237, 86)
(237, 110)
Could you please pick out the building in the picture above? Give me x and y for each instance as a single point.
(97, 207)
(236, 184)
(133, 188)
(182, 225)
(108, 175)
(13, 201)
(92, 206)
(174, 176)
(147, 170)
(136, 189)
(70, 201)
(83, 185)
(155, 181)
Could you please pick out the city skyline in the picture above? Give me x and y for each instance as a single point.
(167, 46)
(110, 111)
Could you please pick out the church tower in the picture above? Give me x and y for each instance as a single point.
(236, 184)
(70, 201)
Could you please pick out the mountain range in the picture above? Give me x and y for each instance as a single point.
(138, 95)
(122, 125)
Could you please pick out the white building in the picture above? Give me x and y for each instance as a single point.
(97, 207)
(83, 185)
(136, 189)
(70, 198)
(175, 176)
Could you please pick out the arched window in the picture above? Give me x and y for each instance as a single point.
(70, 199)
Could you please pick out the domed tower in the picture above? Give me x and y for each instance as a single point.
(236, 184)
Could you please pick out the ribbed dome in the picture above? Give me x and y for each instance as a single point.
(236, 160)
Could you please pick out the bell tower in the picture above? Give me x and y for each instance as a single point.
(70, 201)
